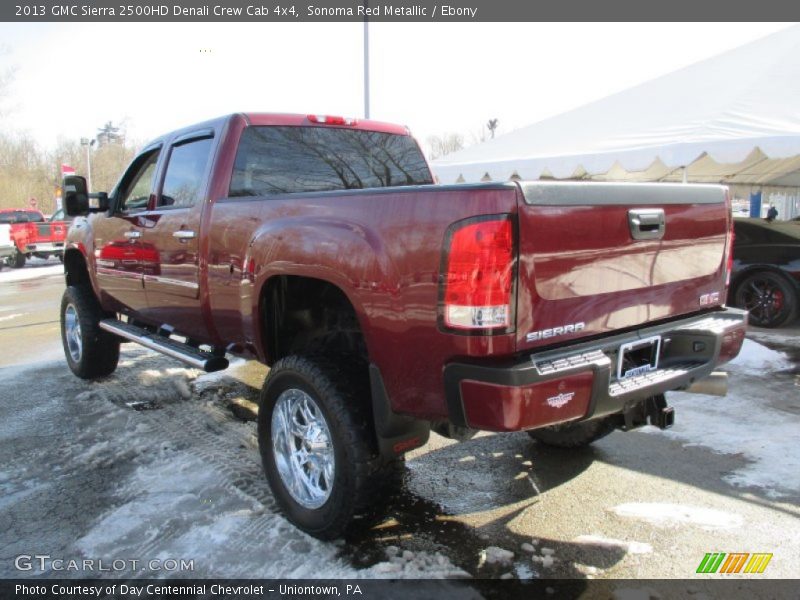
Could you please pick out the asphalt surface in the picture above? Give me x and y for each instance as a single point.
(159, 460)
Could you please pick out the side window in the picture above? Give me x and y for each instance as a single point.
(137, 185)
(185, 174)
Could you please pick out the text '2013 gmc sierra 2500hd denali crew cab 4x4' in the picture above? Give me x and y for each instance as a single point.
(387, 306)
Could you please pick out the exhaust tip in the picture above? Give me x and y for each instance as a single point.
(715, 384)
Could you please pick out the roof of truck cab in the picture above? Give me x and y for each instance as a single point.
(299, 120)
(280, 119)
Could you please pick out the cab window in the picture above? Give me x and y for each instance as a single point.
(137, 185)
(186, 172)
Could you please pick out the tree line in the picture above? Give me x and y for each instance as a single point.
(29, 171)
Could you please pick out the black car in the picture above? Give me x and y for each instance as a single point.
(766, 270)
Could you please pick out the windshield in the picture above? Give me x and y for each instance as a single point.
(280, 160)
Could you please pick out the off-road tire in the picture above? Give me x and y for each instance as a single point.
(573, 435)
(361, 476)
(99, 349)
(770, 282)
(17, 260)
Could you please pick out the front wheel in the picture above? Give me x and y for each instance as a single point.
(315, 442)
(768, 297)
(90, 351)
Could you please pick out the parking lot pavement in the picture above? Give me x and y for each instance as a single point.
(151, 463)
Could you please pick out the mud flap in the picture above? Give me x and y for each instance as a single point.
(396, 434)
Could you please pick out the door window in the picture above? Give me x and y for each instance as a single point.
(137, 185)
(185, 174)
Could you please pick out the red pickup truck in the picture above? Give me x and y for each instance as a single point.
(33, 235)
(387, 306)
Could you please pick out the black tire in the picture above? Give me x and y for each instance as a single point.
(574, 435)
(17, 261)
(770, 299)
(341, 396)
(98, 352)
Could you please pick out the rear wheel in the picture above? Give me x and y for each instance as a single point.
(90, 351)
(316, 442)
(574, 435)
(768, 297)
(17, 260)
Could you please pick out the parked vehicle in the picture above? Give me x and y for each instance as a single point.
(387, 306)
(766, 270)
(33, 235)
(7, 248)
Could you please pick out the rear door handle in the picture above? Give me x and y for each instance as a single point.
(647, 223)
(183, 234)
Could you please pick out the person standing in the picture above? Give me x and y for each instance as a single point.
(772, 213)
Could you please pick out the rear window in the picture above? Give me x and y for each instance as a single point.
(280, 160)
(21, 216)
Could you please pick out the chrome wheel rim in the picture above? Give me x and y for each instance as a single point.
(301, 444)
(72, 331)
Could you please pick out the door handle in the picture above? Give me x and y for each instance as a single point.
(133, 235)
(647, 223)
(183, 234)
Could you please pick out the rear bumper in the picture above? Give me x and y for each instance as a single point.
(580, 382)
(45, 247)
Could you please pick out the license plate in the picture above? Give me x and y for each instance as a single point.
(639, 357)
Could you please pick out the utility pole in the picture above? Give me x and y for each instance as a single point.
(88, 143)
(366, 61)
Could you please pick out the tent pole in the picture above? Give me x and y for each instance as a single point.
(685, 175)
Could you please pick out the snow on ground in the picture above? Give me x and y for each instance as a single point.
(26, 273)
(630, 547)
(196, 490)
(755, 359)
(749, 421)
(669, 515)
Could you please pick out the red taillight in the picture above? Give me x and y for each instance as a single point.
(729, 261)
(331, 120)
(479, 273)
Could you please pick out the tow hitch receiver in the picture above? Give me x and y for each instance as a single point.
(652, 411)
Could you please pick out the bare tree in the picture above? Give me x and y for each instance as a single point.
(441, 145)
(491, 126)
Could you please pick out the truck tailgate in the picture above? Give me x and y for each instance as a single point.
(601, 257)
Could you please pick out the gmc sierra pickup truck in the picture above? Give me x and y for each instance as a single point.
(386, 306)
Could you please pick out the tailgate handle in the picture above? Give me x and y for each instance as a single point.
(647, 223)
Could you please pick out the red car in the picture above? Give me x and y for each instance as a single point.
(387, 306)
(33, 235)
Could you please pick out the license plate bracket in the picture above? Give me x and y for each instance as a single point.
(639, 357)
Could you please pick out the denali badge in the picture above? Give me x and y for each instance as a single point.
(560, 400)
(535, 336)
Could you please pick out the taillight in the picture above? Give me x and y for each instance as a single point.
(479, 275)
(729, 261)
(331, 120)
(729, 241)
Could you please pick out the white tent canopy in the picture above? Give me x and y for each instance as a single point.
(734, 118)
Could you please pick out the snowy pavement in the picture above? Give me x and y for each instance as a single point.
(152, 465)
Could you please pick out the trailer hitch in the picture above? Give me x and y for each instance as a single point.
(650, 411)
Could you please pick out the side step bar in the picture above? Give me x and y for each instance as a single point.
(183, 352)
